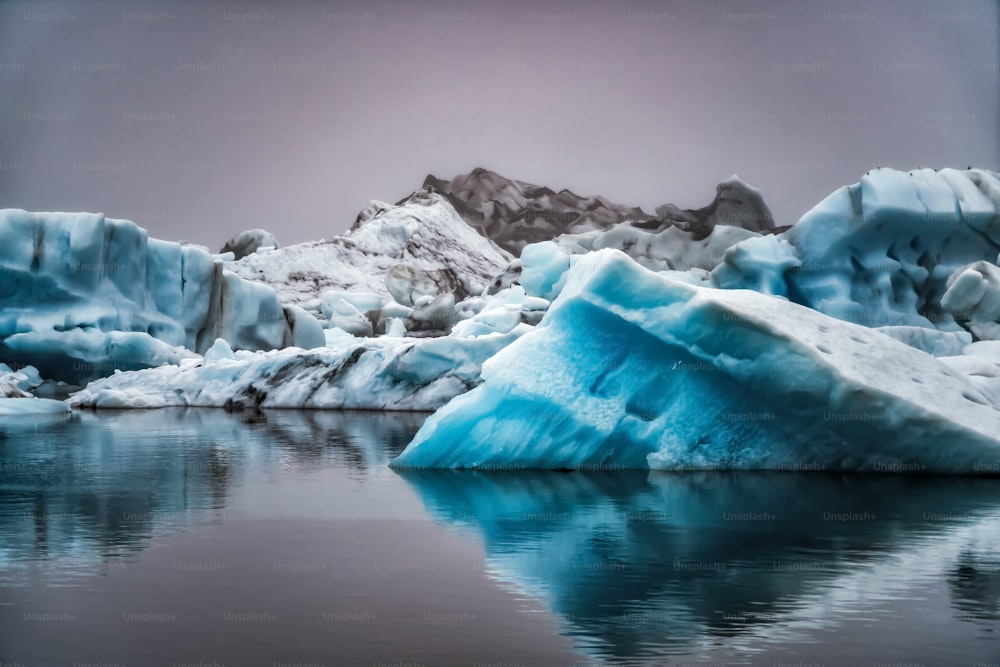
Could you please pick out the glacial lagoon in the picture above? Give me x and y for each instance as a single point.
(200, 537)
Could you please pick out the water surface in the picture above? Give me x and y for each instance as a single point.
(197, 537)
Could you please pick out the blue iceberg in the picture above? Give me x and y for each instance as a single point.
(85, 295)
(633, 369)
(879, 252)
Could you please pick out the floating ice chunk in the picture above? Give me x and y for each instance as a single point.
(881, 251)
(973, 297)
(347, 317)
(83, 292)
(543, 265)
(362, 301)
(395, 327)
(371, 373)
(630, 369)
(436, 315)
(219, 351)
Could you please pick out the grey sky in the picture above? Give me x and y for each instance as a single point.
(198, 120)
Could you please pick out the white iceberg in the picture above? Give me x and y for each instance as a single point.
(424, 233)
(384, 373)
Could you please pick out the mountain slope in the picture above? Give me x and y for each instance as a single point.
(515, 213)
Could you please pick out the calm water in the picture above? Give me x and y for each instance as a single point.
(199, 537)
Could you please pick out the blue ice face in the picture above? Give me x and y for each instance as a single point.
(83, 295)
(878, 252)
(631, 369)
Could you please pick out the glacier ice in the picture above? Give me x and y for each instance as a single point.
(514, 213)
(361, 301)
(345, 315)
(18, 383)
(16, 397)
(670, 248)
(736, 204)
(879, 252)
(408, 284)
(85, 295)
(543, 266)
(423, 232)
(630, 369)
(973, 298)
(432, 314)
(383, 373)
(220, 351)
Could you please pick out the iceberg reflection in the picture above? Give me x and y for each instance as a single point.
(638, 563)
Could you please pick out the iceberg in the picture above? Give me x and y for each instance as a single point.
(880, 252)
(17, 384)
(401, 370)
(973, 298)
(631, 369)
(85, 295)
(420, 245)
(384, 373)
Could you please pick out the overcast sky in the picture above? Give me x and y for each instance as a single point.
(200, 119)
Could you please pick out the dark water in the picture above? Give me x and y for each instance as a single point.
(197, 538)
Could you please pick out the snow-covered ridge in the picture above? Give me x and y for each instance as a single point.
(83, 295)
(423, 232)
(515, 213)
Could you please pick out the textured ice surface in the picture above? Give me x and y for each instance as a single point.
(31, 406)
(83, 294)
(632, 369)
(677, 240)
(384, 373)
(932, 341)
(973, 297)
(424, 232)
(17, 384)
(879, 252)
